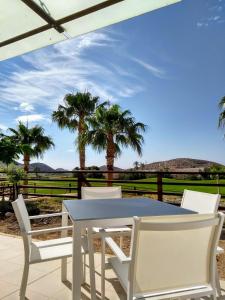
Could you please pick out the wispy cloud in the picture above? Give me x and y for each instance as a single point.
(156, 71)
(31, 118)
(214, 14)
(44, 76)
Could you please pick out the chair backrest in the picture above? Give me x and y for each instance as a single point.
(199, 202)
(173, 252)
(101, 192)
(22, 215)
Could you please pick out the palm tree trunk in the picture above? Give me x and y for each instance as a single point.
(81, 146)
(110, 155)
(26, 160)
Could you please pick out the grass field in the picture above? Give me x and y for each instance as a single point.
(150, 185)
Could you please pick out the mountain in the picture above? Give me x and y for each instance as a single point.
(104, 168)
(182, 164)
(60, 170)
(40, 167)
(115, 175)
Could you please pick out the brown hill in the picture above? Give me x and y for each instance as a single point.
(187, 164)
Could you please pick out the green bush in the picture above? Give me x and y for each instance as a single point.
(132, 176)
(6, 206)
(14, 173)
(32, 208)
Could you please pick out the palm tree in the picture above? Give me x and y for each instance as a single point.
(110, 129)
(72, 115)
(221, 122)
(136, 164)
(32, 142)
(142, 166)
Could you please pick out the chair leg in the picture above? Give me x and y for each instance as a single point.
(103, 270)
(23, 286)
(121, 242)
(91, 264)
(64, 269)
(84, 268)
(217, 280)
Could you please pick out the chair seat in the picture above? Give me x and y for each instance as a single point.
(219, 250)
(113, 230)
(53, 249)
(121, 270)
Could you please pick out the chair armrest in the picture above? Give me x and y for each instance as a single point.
(117, 250)
(54, 229)
(48, 215)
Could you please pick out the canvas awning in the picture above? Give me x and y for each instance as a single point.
(26, 25)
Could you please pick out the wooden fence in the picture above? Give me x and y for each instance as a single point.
(76, 179)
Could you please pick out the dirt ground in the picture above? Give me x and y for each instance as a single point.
(10, 226)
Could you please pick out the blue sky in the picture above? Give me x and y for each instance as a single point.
(167, 67)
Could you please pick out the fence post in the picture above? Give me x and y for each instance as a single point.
(12, 192)
(17, 190)
(160, 186)
(3, 192)
(79, 184)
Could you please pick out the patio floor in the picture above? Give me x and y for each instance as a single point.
(44, 278)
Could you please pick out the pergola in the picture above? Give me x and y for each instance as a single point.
(27, 25)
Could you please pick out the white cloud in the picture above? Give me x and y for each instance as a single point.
(199, 24)
(156, 71)
(31, 118)
(48, 74)
(25, 107)
(213, 14)
(216, 18)
(3, 127)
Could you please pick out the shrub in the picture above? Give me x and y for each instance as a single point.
(6, 206)
(14, 173)
(32, 208)
(132, 176)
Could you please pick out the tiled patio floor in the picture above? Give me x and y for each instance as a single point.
(44, 279)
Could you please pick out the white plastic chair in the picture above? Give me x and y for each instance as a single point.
(107, 193)
(41, 251)
(203, 203)
(186, 269)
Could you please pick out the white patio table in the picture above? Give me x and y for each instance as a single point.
(104, 213)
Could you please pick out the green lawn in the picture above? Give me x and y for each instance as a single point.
(149, 186)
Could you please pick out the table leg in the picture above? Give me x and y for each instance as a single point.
(64, 233)
(91, 263)
(76, 262)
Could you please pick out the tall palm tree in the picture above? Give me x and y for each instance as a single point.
(221, 122)
(32, 143)
(110, 129)
(72, 115)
